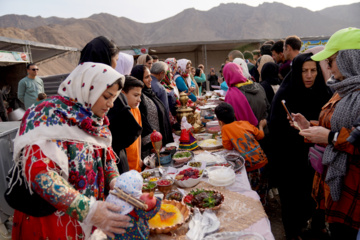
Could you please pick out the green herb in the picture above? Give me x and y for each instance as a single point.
(149, 185)
(182, 154)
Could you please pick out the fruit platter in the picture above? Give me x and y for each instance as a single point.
(188, 177)
(204, 199)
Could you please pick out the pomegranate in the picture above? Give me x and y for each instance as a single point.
(155, 136)
(149, 200)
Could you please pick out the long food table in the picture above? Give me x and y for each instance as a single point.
(241, 210)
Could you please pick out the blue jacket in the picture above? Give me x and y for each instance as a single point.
(180, 83)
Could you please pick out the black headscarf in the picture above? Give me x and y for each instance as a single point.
(97, 50)
(307, 101)
(299, 99)
(269, 75)
(163, 116)
(123, 126)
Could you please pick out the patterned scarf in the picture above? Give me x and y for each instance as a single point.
(172, 64)
(68, 117)
(346, 112)
(167, 82)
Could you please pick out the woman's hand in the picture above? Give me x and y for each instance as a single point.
(262, 123)
(103, 215)
(316, 134)
(191, 89)
(301, 121)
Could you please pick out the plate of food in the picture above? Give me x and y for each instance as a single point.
(183, 156)
(188, 177)
(146, 174)
(172, 215)
(209, 158)
(210, 144)
(204, 199)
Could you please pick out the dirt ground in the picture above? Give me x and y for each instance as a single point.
(273, 210)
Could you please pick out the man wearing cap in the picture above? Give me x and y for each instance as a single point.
(337, 189)
(30, 86)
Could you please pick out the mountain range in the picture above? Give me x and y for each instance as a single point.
(230, 21)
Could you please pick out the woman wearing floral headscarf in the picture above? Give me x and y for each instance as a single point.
(183, 80)
(170, 86)
(63, 150)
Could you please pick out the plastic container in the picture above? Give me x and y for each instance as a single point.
(213, 127)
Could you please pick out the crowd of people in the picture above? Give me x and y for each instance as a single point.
(71, 148)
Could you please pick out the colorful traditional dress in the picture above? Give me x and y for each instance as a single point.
(65, 153)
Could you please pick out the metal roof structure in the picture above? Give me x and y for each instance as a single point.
(181, 47)
(38, 52)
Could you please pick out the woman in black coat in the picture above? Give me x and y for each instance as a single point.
(305, 92)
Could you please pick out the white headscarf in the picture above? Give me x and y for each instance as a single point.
(125, 63)
(182, 70)
(87, 82)
(244, 67)
(84, 85)
(130, 182)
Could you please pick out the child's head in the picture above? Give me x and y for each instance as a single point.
(225, 113)
(41, 96)
(132, 90)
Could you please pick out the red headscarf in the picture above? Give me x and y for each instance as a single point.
(233, 75)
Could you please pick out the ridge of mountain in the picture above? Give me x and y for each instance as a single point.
(231, 21)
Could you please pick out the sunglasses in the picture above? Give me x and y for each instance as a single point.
(329, 61)
(34, 69)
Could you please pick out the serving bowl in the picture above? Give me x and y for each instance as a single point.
(189, 182)
(165, 185)
(184, 210)
(174, 195)
(182, 156)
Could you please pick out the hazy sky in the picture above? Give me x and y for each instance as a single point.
(138, 10)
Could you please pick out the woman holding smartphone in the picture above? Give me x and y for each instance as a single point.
(306, 93)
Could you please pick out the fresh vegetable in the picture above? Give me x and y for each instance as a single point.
(149, 185)
(182, 154)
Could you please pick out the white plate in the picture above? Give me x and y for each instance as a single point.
(210, 147)
(222, 185)
(235, 236)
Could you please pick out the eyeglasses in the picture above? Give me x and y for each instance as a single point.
(329, 61)
(34, 69)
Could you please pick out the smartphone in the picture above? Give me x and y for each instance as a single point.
(287, 111)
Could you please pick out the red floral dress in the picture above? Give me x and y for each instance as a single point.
(87, 177)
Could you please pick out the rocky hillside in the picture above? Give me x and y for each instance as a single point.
(226, 22)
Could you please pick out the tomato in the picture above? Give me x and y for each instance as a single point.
(188, 198)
